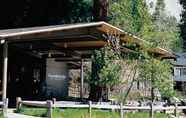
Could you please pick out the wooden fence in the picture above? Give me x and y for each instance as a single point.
(4, 105)
(91, 105)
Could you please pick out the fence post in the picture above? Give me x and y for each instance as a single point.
(121, 110)
(49, 106)
(54, 100)
(151, 110)
(90, 109)
(175, 109)
(5, 107)
(18, 103)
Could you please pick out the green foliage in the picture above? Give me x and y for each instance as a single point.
(158, 73)
(106, 67)
(80, 11)
(164, 29)
(159, 29)
(131, 16)
(110, 74)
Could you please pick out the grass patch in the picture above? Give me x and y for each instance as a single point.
(39, 112)
(83, 113)
(1, 115)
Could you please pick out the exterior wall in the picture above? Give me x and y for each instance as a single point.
(138, 88)
(74, 84)
(180, 68)
(56, 79)
(180, 74)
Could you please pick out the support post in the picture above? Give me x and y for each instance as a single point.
(175, 109)
(121, 110)
(151, 110)
(54, 100)
(82, 80)
(5, 107)
(90, 109)
(5, 69)
(49, 106)
(18, 103)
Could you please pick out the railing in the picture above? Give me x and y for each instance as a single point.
(91, 105)
(4, 105)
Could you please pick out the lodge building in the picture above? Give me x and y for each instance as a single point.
(35, 62)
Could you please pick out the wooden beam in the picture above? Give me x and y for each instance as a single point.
(82, 44)
(71, 59)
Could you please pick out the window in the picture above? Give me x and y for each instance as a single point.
(179, 71)
(183, 71)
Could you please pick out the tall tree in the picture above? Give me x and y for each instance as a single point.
(158, 73)
(25, 13)
(159, 9)
(100, 11)
(183, 23)
(130, 15)
(164, 29)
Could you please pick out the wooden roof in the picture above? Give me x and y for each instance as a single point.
(77, 37)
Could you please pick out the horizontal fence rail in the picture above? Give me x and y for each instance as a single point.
(91, 105)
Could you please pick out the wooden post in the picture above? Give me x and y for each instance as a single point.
(121, 110)
(90, 109)
(175, 109)
(5, 107)
(54, 100)
(82, 80)
(151, 110)
(49, 106)
(18, 103)
(5, 69)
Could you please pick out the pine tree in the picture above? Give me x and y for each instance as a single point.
(164, 29)
(159, 9)
(183, 23)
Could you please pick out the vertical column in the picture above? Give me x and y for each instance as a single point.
(82, 80)
(5, 69)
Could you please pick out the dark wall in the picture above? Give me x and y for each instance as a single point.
(25, 75)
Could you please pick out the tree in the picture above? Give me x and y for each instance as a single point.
(157, 73)
(100, 13)
(183, 23)
(26, 13)
(130, 15)
(164, 29)
(100, 10)
(105, 73)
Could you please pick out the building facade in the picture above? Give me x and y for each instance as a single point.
(179, 72)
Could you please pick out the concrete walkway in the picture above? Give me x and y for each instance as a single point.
(16, 115)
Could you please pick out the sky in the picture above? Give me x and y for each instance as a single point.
(173, 7)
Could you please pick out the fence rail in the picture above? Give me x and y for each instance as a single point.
(63, 104)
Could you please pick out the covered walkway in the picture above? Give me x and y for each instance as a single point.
(67, 43)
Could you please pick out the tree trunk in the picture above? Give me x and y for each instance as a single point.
(100, 12)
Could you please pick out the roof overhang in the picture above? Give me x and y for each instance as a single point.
(83, 36)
